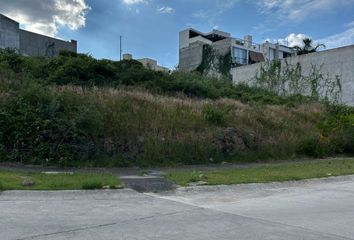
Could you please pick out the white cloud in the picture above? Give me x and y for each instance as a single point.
(298, 10)
(334, 41)
(291, 40)
(350, 24)
(339, 40)
(47, 16)
(294, 39)
(167, 10)
(130, 2)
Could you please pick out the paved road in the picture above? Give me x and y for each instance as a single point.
(316, 209)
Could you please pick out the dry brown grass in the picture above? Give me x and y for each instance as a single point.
(163, 113)
(143, 128)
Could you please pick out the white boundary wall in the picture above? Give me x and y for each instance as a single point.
(335, 62)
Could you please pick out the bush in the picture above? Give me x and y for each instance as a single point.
(11, 58)
(81, 70)
(314, 146)
(41, 126)
(2, 188)
(338, 126)
(92, 185)
(2, 152)
(84, 70)
(214, 115)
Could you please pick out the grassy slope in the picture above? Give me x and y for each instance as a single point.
(133, 127)
(159, 130)
(13, 181)
(270, 173)
(44, 120)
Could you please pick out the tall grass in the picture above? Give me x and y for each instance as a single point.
(70, 125)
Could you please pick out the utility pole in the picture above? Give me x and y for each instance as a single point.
(120, 47)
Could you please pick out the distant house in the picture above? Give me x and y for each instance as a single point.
(148, 63)
(29, 43)
(243, 51)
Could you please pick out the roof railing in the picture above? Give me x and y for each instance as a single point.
(242, 42)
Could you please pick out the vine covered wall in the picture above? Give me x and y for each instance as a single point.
(214, 63)
(284, 79)
(327, 75)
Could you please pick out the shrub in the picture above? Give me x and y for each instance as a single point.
(92, 185)
(2, 188)
(84, 70)
(338, 126)
(2, 152)
(214, 115)
(12, 59)
(42, 126)
(81, 70)
(314, 146)
(343, 141)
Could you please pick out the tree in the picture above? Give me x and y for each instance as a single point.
(307, 47)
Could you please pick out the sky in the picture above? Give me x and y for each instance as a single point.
(149, 28)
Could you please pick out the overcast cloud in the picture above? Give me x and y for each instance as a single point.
(46, 16)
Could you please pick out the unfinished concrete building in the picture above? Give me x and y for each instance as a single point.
(243, 51)
(29, 43)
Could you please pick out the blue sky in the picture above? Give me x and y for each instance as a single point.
(150, 27)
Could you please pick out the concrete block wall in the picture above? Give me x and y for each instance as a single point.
(29, 43)
(223, 47)
(33, 44)
(190, 58)
(335, 62)
(184, 39)
(9, 33)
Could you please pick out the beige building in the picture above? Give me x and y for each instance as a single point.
(148, 63)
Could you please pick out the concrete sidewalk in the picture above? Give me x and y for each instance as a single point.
(313, 209)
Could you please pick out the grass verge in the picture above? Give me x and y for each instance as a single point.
(64, 181)
(265, 174)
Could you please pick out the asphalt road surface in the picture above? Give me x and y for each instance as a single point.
(313, 209)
